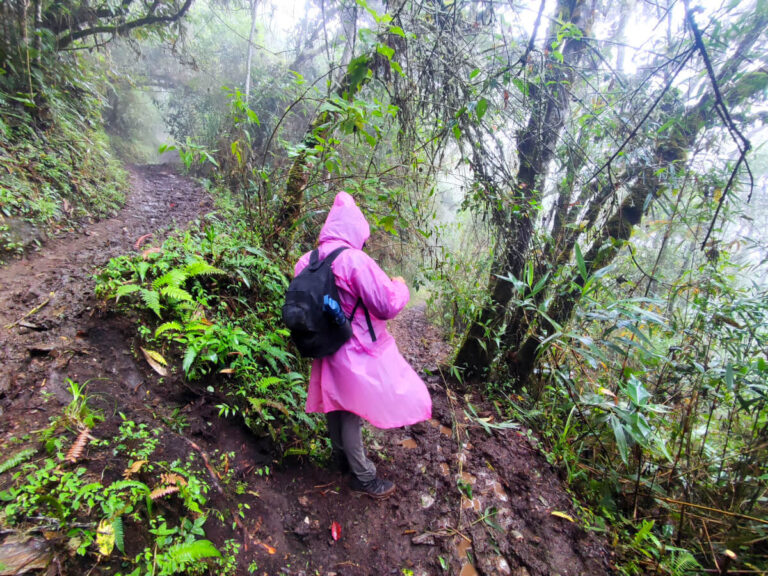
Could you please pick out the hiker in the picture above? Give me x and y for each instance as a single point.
(367, 378)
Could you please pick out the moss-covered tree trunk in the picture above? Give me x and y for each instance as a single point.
(671, 153)
(536, 147)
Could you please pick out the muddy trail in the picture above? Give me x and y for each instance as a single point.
(474, 496)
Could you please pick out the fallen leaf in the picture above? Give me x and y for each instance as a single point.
(105, 537)
(226, 371)
(156, 360)
(162, 491)
(268, 548)
(335, 530)
(173, 479)
(133, 468)
(78, 446)
(562, 515)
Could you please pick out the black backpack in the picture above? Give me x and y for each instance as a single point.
(314, 331)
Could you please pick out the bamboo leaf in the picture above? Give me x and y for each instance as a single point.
(482, 107)
(580, 261)
(621, 438)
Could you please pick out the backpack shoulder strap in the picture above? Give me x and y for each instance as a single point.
(332, 256)
(367, 318)
(314, 258)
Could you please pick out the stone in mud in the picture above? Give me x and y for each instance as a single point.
(303, 528)
(18, 234)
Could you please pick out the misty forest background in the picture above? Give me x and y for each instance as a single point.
(576, 190)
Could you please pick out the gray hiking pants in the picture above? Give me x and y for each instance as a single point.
(346, 432)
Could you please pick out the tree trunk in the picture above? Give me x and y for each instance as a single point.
(536, 148)
(671, 152)
(250, 54)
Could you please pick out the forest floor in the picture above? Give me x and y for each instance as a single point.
(473, 495)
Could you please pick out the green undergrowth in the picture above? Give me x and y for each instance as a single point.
(75, 497)
(55, 163)
(208, 302)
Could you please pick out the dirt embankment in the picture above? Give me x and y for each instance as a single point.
(473, 496)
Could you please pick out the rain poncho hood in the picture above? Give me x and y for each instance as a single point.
(366, 377)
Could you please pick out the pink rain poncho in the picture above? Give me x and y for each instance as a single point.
(370, 379)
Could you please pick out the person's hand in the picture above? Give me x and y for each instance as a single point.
(398, 279)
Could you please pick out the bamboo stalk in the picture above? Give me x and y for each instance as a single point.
(682, 503)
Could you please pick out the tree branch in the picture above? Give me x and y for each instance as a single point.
(741, 141)
(117, 29)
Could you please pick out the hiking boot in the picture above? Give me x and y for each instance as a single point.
(378, 488)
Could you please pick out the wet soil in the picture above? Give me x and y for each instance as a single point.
(474, 496)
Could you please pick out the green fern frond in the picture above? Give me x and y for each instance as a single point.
(190, 552)
(125, 289)
(682, 563)
(265, 383)
(123, 484)
(165, 326)
(272, 353)
(142, 268)
(176, 293)
(17, 459)
(151, 300)
(201, 268)
(189, 358)
(174, 277)
(119, 530)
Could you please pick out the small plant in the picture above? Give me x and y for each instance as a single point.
(77, 413)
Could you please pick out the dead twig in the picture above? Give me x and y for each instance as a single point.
(683, 503)
(34, 310)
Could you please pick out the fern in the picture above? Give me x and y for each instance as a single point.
(151, 300)
(17, 459)
(201, 268)
(682, 562)
(123, 484)
(190, 552)
(174, 277)
(176, 293)
(164, 327)
(142, 268)
(125, 289)
(189, 358)
(119, 530)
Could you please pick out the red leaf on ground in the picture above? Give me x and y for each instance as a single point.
(335, 530)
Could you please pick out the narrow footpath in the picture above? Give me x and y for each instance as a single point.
(474, 496)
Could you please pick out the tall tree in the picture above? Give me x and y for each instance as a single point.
(601, 212)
